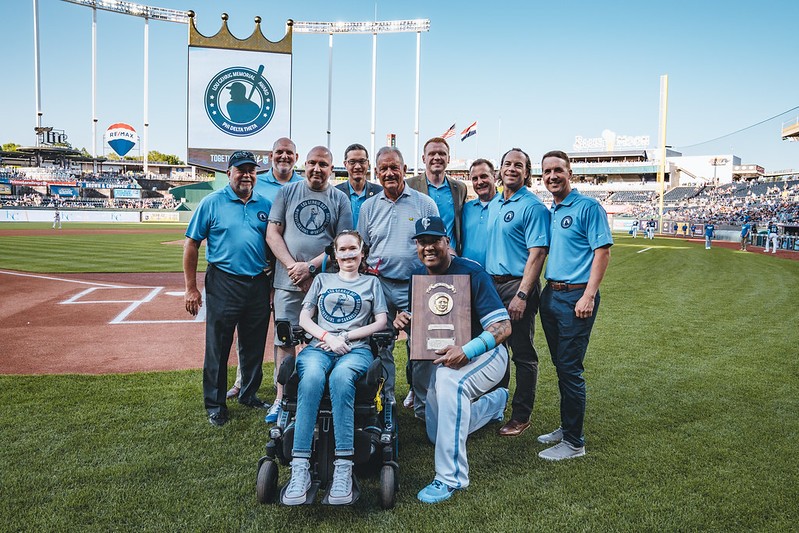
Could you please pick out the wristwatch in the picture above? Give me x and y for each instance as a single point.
(312, 269)
(521, 295)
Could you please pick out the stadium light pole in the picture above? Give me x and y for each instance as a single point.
(664, 107)
(137, 10)
(385, 26)
(37, 74)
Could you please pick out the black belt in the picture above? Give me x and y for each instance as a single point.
(238, 276)
(505, 278)
(560, 286)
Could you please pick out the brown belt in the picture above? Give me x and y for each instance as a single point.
(505, 278)
(558, 286)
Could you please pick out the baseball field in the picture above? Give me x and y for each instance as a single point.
(691, 424)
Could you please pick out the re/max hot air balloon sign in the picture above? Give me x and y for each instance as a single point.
(121, 138)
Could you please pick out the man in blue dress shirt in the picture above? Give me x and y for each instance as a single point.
(233, 222)
(448, 194)
(358, 188)
(579, 253)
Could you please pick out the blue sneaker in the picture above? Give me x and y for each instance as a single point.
(274, 413)
(435, 492)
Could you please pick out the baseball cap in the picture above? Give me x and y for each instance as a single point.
(241, 157)
(430, 226)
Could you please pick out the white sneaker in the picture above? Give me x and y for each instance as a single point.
(551, 438)
(300, 482)
(341, 488)
(562, 450)
(407, 403)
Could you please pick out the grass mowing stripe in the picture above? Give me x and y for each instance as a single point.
(691, 425)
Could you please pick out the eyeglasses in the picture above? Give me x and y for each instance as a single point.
(353, 162)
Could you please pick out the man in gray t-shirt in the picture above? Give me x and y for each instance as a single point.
(305, 217)
(344, 305)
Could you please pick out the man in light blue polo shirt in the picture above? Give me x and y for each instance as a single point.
(283, 159)
(233, 222)
(475, 212)
(579, 253)
(517, 246)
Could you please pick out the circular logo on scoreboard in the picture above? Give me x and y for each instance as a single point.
(240, 101)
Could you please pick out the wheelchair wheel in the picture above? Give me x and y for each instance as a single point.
(388, 487)
(266, 485)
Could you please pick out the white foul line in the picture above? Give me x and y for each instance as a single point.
(94, 283)
(644, 250)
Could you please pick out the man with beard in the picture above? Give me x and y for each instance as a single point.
(517, 246)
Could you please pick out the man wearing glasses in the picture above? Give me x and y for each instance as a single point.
(357, 188)
(233, 223)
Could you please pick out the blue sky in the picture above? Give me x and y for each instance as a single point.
(534, 74)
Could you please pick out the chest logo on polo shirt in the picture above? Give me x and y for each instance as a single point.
(312, 216)
(262, 216)
(509, 216)
(338, 306)
(566, 222)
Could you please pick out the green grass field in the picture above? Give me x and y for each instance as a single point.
(691, 424)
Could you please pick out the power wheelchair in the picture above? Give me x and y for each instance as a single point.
(375, 429)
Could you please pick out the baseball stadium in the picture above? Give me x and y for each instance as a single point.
(691, 368)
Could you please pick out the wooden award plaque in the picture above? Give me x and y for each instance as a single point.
(441, 308)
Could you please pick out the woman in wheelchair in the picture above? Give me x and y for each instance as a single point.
(349, 307)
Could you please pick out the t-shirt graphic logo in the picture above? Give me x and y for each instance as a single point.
(338, 306)
(312, 216)
(509, 216)
(566, 222)
(240, 101)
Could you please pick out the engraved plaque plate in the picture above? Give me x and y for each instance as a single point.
(441, 307)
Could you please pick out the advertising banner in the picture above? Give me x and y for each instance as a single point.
(160, 216)
(127, 193)
(5, 188)
(238, 100)
(64, 191)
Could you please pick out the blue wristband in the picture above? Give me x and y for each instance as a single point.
(479, 345)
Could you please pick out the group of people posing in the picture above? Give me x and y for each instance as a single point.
(269, 232)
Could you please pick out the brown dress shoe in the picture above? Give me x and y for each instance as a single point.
(513, 428)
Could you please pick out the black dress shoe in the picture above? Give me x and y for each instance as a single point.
(255, 403)
(218, 419)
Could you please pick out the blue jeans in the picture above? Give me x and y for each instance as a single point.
(313, 366)
(567, 338)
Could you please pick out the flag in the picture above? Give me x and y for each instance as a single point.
(449, 133)
(468, 132)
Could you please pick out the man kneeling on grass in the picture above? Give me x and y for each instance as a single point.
(458, 400)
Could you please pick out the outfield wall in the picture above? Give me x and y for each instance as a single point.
(93, 215)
